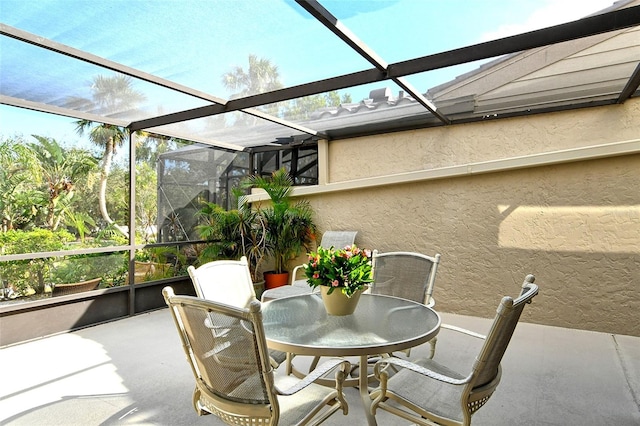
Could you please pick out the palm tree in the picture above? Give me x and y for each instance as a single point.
(18, 169)
(261, 76)
(60, 169)
(289, 225)
(110, 95)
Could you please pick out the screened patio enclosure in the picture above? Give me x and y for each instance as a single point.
(209, 175)
(174, 65)
(319, 72)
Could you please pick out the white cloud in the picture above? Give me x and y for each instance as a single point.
(551, 13)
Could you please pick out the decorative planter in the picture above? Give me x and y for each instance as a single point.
(337, 303)
(79, 287)
(273, 280)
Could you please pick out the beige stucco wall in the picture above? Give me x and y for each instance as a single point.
(575, 226)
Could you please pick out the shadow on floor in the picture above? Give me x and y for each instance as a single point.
(133, 371)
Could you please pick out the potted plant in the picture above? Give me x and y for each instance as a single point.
(290, 229)
(253, 242)
(342, 274)
(232, 234)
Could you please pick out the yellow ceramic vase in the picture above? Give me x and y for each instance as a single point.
(337, 303)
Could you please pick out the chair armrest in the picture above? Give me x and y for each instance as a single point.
(400, 309)
(380, 367)
(294, 273)
(463, 331)
(319, 372)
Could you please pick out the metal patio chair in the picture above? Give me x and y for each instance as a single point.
(426, 392)
(408, 275)
(228, 282)
(234, 378)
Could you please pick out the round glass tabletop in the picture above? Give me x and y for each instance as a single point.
(380, 324)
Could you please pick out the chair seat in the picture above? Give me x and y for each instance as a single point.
(442, 398)
(277, 356)
(293, 408)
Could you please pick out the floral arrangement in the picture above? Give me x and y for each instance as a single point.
(348, 269)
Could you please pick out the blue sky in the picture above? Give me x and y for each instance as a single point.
(395, 29)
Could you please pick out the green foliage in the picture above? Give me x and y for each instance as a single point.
(220, 228)
(38, 240)
(80, 221)
(111, 234)
(146, 202)
(232, 234)
(60, 169)
(72, 269)
(346, 269)
(18, 174)
(153, 263)
(290, 229)
(23, 275)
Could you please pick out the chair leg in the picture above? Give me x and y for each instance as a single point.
(314, 363)
(432, 343)
(289, 363)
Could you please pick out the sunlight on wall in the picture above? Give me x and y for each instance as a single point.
(571, 228)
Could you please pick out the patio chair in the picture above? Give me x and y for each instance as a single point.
(228, 282)
(73, 288)
(224, 281)
(408, 275)
(426, 392)
(234, 379)
(337, 239)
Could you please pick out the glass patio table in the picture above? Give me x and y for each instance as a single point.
(379, 325)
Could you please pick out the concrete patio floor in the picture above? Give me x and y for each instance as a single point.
(133, 371)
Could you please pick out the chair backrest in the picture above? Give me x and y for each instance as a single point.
(224, 281)
(233, 375)
(335, 239)
(407, 275)
(338, 239)
(486, 369)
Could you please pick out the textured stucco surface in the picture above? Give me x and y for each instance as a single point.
(575, 226)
